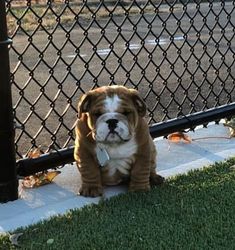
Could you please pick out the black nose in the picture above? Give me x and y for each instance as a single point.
(112, 124)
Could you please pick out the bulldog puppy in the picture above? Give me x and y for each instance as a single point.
(113, 143)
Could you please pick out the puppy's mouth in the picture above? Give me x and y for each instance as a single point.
(112, 136)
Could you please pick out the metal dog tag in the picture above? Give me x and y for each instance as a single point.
(102, 156)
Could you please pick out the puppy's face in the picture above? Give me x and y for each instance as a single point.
(112, 113)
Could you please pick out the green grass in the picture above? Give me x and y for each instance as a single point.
(194, 211)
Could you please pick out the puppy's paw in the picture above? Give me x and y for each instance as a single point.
(91, 191)
(156, 180)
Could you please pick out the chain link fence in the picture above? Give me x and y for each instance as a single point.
(179, 54)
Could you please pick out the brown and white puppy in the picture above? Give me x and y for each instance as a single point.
(113, 143)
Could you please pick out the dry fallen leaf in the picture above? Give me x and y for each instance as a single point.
(231, 125)
(39, 179)
(179, 136)
(34, 153)
(14, 239)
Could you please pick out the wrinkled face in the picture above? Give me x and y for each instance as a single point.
(112, 113)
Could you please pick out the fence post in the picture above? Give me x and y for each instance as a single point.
(8, 178)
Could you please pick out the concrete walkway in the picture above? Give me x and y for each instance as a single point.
(56, 198)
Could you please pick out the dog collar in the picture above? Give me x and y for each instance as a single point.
(102, 156)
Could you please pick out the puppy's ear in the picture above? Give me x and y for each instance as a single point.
(84, 104)
(139, 102)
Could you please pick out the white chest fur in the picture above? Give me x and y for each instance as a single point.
(120, 156)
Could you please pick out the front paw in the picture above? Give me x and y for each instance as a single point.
(156, 180)
(90, 191)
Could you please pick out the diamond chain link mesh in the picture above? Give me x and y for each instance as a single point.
(179, 54)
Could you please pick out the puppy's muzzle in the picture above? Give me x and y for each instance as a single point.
(112, 127)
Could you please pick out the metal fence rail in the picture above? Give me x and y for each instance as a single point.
(179, 54)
